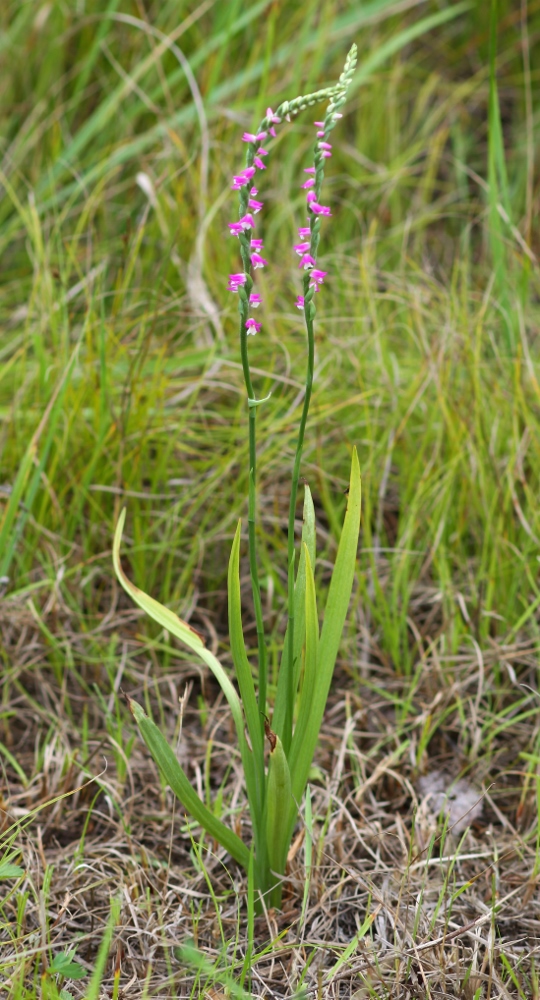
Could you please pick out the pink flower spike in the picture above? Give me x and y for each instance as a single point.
(325, 145)
(301, 248)
(300, 302)
(255, 300)
(259, 163)
(307, 262)
(317, 277)
(311, 197)
(258, 261)
(252, 326)
(304, 231)
(309, 183)
(309, 170)
(272, 117)
(255, 206)
(250, 137)
(247, 221)
(235, 228)
(256, 244)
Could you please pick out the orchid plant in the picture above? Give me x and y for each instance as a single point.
(274, 788)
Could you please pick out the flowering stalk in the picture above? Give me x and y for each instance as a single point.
(252, 260)
(309, 657)
(313, 279)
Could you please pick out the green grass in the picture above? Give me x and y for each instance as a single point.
(120, 384)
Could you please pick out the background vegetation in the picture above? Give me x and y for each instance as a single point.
(120, 383)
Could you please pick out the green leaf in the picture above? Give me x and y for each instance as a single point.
(306, 735)
(279, 805)
(308, 851)
(242, 666)
(310, 681)
(8, 870)
(64, 965)
(174, 775)
(163, 616)
(308, 539)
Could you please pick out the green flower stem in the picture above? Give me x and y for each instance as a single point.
(252, 506)
(309, 313)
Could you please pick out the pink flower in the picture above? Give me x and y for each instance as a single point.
(325, 145)
(301, 248)
(307, 261)
(258, 261)
(241, 179)
(326, 154)
(309, 170)
(256, 244)
(259, 163)
(304, 231)
(317, 277)
(247, 221)
(235, 280)
(262, 152)
(235, 228)
(255, 300)
(272, 118)
(320, 133)
(254, 205)
(308, 184)
(319, 124)
(252, 326)
(319, 209)
(249, 137)
(337, 115)
(300, 302)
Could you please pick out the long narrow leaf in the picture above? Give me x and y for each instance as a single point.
(308, 539)
(163, 616)
(305, 737)
(279, 807)
(174, 775)
(242, 666)
(310, 681)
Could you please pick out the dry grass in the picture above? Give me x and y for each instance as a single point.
(401, 903)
